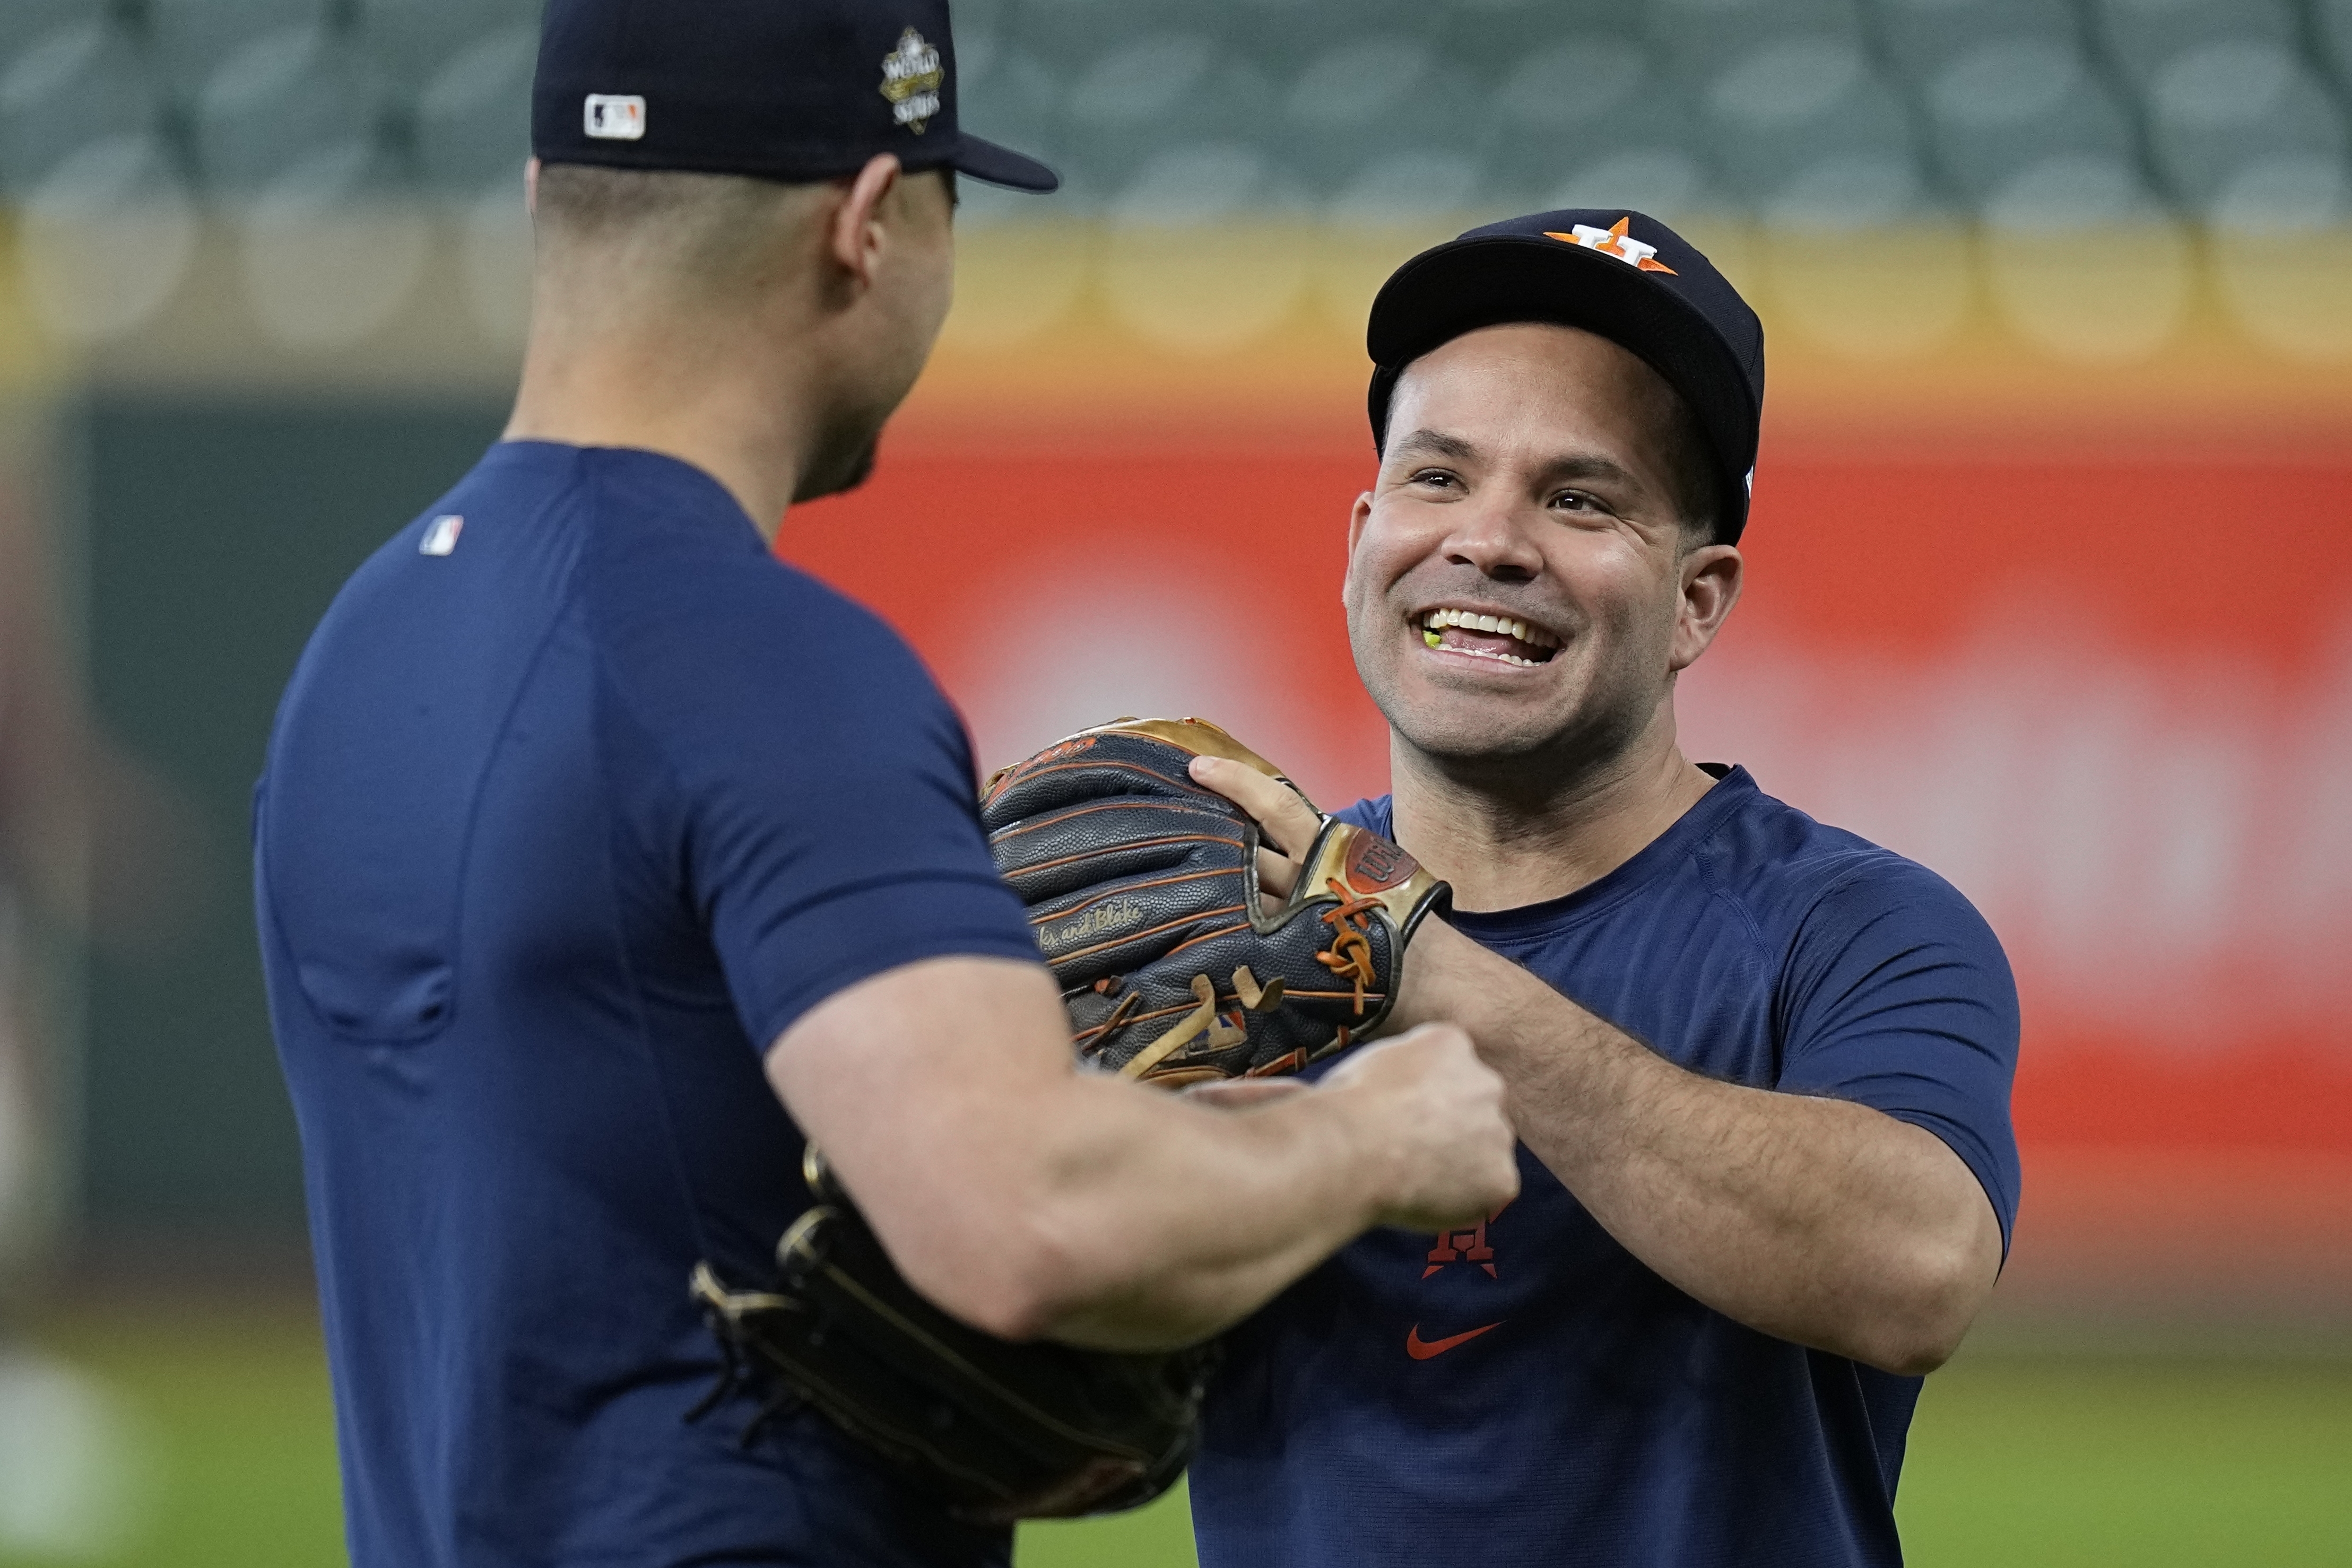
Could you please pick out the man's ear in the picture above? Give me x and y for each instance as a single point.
(1712, 576)
(1357, 517)
(530, 187)
(855, 235)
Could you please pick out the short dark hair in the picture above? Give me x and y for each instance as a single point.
(1691, 469)
(717, 231)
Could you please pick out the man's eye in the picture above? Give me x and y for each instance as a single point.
(1437, 476)
(1577, 501)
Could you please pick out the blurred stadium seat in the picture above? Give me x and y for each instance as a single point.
(414, 40)
(2217, 109)
(2084, 262)
(1495, 38)
(2002, 107)
(1665, 183)
(1802, 128)
(2143, 36)
(24, 22)
(1398, 186)
(473, 119)
(1203, 183)
(2286, 193)
(2069, 191)
(1799, 111)
(106, 240)
(194, 38)
(1577, 101)
(87, 83)
(1071, 36)
(329, 250)
(284, 97)
(2334, 33)
(1283, 36)
(1370, 99)
(1199, 259)
(1922, 38)
(1164, 89)
(1700, 39)
(1009, 97)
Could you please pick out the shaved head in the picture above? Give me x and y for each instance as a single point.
(714, 236)
(747, 324)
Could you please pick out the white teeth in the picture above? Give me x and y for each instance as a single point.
(1470, 619)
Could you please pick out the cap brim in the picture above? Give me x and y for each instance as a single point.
(1467, 284)
(985, 159)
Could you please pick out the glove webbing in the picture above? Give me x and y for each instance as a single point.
(1350, 958)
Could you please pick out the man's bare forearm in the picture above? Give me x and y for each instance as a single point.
(1032, 1200)
(1814, 1221)
(1175, 1225)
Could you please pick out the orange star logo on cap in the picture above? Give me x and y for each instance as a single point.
(1615, 242)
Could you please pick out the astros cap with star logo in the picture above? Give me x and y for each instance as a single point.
(1619, 274)
(779, 90)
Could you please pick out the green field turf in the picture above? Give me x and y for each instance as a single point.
(2024, 1462)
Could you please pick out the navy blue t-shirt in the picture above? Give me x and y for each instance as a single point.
(1530, 1392)
(574, 805)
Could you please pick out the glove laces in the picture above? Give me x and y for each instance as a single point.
(1349, 956)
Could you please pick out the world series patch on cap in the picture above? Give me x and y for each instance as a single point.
(1620, 275)
(779, 89)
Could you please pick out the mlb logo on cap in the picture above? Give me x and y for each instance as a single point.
(615, 118)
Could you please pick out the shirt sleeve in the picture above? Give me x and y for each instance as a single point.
(1899, 997)
(827, 801)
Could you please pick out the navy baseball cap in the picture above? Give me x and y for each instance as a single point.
(796, 90)
(1620, 275)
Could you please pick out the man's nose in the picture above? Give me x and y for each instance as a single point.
(1489, 537)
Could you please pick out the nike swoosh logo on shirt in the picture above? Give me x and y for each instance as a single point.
(1422, 1349)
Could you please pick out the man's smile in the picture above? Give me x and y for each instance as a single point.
(1486, 635)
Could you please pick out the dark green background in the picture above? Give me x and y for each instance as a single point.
(217, 533)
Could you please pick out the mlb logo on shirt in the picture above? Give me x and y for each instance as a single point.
(614, 117)
(441, 536)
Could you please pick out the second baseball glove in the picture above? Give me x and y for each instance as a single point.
(997, 1431)
(1143, 888)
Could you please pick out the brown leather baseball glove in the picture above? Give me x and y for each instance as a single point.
(1175, 966)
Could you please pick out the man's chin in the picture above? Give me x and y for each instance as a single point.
(1506, 742)
(841, 475)
(1479, 739)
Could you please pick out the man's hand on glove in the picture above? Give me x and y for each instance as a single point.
(1287, 822)
(1187, 953)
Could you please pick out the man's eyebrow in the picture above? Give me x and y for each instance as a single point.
(1568, 466)
(1591, 466)
(1438, 443)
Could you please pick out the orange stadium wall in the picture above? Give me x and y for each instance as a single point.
(2072, 629)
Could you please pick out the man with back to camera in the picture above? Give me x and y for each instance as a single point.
(582, 809)
(1761, 1068)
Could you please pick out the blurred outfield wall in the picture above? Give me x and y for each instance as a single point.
(2044, 592)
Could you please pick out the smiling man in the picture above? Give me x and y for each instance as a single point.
(1760, 1066)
